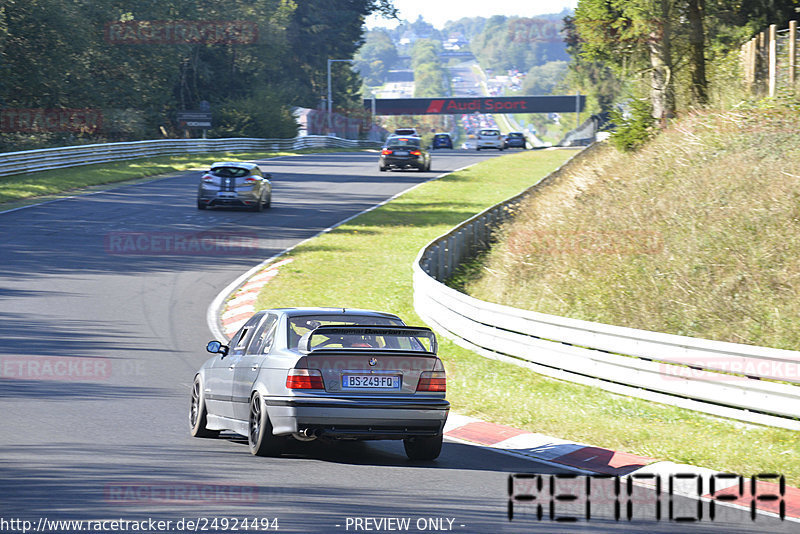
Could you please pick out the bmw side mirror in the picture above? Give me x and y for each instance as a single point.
(215, 347)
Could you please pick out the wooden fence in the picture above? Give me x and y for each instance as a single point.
(769, 60)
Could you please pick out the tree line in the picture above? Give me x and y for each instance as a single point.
(519, 43)
(141, 61)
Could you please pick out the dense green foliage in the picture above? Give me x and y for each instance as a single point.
(635, 128)
(376, 57)
(467, 27)
(543, 79)
(518, 43)
(418, 29)
(62, 54)
(429, 75)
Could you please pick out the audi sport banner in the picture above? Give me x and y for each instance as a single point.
(460, 105)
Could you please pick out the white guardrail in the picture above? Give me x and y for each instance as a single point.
(72, 156)
(719, 378)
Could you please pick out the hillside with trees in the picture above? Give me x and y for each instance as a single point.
(519, 43)
(140, 62)
(376, 57)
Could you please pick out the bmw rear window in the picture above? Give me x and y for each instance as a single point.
(300, 325)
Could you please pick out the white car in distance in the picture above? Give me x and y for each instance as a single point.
(489, 138)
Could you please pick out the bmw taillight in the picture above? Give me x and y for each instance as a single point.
(416, 153)
(304, 379)
(386, 152)
(432, 381)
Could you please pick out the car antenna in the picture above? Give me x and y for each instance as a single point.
(344, 311)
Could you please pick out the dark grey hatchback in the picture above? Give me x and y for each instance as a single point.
(234, 184)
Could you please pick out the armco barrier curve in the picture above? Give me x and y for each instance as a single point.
(671, 369)
(73, 156)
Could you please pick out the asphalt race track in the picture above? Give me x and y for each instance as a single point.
(100, 343)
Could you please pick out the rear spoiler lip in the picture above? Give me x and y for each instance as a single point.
(358, 330)
(361, 352)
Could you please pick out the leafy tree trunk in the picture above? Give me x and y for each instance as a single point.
(696, 16)
(662, 94)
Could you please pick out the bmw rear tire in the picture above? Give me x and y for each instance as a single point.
(423, 448)
(260, 438)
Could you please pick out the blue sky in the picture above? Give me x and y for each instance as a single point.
(437, 12)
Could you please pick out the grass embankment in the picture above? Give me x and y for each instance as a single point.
(367, 263)
(21, 187)
(697, 234)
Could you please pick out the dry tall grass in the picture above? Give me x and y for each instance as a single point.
(697, 234)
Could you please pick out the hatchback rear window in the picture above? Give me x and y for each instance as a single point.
(490, 132)
(230, 172)
(514, 134)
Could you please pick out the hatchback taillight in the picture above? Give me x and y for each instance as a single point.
(432, 381)
(208, 178)
(250, 180)
(304, 379)
(386, 152)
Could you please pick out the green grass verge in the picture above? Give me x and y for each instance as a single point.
(367, 263)
(21, 187)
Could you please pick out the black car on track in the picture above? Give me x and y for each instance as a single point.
(403, 152)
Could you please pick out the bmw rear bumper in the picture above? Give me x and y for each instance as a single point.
(403, 163)
(378, 418)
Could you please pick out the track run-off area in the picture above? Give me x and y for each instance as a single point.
(103, 301)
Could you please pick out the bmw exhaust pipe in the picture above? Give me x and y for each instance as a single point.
(305, 434)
